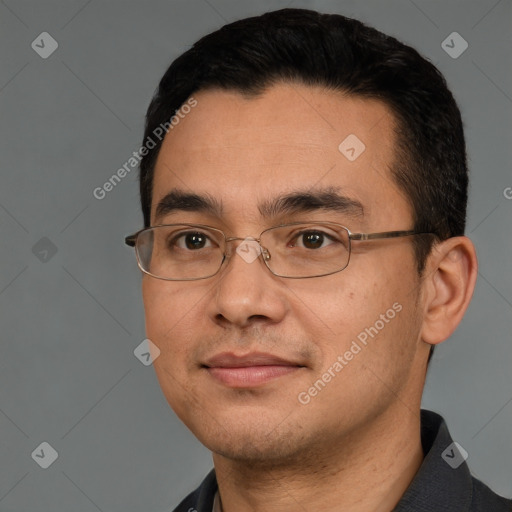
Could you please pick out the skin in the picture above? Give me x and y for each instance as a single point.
(357, 442)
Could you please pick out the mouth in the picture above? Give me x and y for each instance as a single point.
(249, 370)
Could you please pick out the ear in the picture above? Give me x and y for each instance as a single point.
(448, 285)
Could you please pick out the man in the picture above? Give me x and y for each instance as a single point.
(303, 252)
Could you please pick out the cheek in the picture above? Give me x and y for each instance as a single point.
(344, 303)
(157, 307)
(169, 318)
(363, 305)
(170, 326)
(386, 321)
(166, 303)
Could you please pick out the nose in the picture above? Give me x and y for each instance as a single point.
(247, 292)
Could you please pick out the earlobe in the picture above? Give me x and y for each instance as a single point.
(449, 282)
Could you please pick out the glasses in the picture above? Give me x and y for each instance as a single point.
(188, 252)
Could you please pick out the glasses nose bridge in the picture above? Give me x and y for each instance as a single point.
(232, 238)
(264, 250)
(245, 238)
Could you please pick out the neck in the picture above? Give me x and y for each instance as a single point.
(369, 471)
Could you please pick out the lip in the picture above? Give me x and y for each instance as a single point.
(249, 370)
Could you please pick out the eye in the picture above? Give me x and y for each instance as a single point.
(192, 240)
(312, 239)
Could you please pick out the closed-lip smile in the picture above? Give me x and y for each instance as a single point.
(248, 370)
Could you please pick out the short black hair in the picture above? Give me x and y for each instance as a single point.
(343, 54)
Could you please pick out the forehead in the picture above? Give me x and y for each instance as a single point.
(292, 137)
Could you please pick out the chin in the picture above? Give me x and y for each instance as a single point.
(257, 439)
(261, 449)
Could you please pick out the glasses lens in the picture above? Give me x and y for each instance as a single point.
(180, 252)
(307, 250)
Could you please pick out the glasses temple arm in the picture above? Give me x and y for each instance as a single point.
(130, 240)
(385, 234)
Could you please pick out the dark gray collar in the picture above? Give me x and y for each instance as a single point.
(437, 485)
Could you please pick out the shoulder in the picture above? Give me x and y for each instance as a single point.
(201, 500)
(485, 500)
(444, 481)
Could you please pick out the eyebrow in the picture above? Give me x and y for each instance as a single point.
(178, 200)
(325, 199)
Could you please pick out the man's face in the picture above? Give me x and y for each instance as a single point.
(242, 153)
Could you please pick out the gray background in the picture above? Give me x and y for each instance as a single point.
(71, 319)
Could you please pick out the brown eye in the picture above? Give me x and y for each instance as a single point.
(312, 239)
(192, 241)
